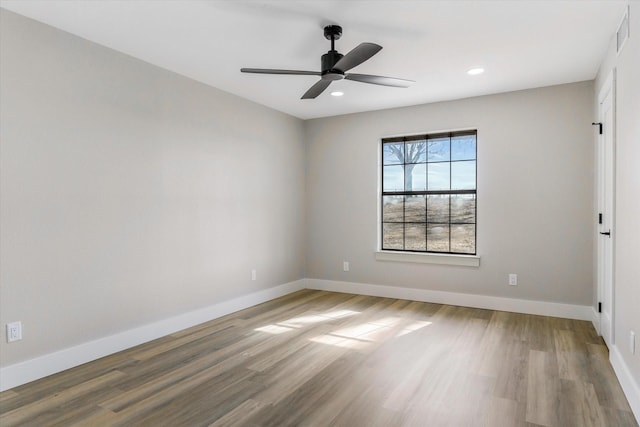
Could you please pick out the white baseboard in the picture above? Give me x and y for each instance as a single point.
(570, 311)
(48, 364)
(629, 385)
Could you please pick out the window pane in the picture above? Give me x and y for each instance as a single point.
(463, 208)
(438, 176)
(438, 150)
(416, 152)
(415, 209)
(463, 238)
(463, 175)
(438, 209)
(392, 236)
(393, 153)
(463, 147)
(438, 238)
(392, 209)
(439, 163)
(415, 237)
(393, 178)
(415, 177)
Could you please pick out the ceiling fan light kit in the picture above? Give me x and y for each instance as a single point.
(334, 66)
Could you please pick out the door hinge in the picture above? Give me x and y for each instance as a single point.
(599, 307)
(599, 218)
(599, 127)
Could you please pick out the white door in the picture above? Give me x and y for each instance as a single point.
(606, 186)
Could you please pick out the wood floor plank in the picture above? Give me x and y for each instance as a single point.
(200, 403)
(602, 376)
(317, 358)
(320, 398)
(502, 412)
(361, 413)
(182, 340)
(239, 415)
(579, 406)
(151, 404)
(73, 411)
(285, 377)
(8, 395)
(148, 388)
(512, 373)
(101, 417)
(571, 355)
(62, 381)
(21, 414)
(490, 359)
(540, 333)
(618, 417)
(543, 391)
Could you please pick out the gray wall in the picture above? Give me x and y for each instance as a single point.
(627, 194)
(535, 194)
(131, 194)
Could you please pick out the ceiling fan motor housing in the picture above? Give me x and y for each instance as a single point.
(330, 59)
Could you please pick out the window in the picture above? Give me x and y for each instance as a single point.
(428, 196)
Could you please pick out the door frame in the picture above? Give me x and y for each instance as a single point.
(609, 87)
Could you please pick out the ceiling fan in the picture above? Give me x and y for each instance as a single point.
(335, 66)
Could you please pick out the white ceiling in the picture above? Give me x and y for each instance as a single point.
(521, 44)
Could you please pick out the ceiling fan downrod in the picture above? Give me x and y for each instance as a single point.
(329, 59)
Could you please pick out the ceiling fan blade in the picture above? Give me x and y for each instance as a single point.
(316, 89)
(379, 80)
(272, 71)
(357, 56)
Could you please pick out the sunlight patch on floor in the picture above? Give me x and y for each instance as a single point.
(338, 341)
(387, 321)
(298, 322)
(359, 336)
(413, 327)
(274, 329)
(357, 330)
(355, 336)
(301, 321)
(339, 314)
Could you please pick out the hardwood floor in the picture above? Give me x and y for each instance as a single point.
(318, 358)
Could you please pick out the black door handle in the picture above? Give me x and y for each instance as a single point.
(606, 233)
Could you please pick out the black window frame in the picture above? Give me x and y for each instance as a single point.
(426, 137)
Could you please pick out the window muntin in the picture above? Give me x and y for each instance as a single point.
(428, 197)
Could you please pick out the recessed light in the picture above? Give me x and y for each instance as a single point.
(337, 93)
(475, 71)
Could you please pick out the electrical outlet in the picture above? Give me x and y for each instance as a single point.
(513, 279)
(632, 342)
(345, 266)
(253, 274)
(14, 331)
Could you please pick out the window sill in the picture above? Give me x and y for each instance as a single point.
(443, 259)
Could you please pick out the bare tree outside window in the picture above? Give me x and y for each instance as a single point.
(428, 197)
